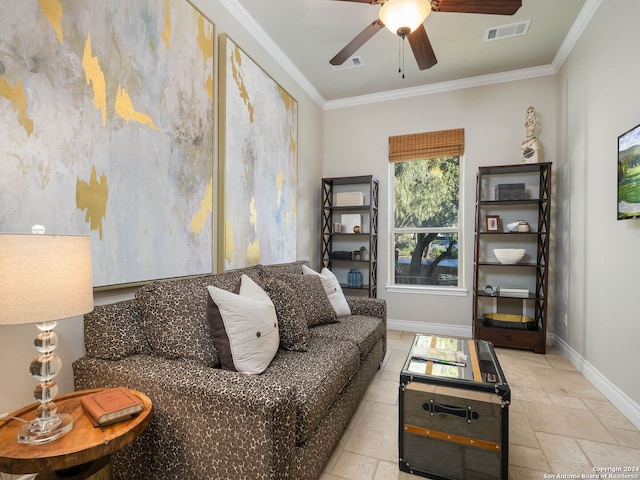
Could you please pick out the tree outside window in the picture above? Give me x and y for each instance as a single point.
(426, 230)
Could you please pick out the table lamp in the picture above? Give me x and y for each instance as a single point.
(44, 278)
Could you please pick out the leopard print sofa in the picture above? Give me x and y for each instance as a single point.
(210, 423)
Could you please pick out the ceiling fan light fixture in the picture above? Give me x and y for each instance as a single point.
(402, 15)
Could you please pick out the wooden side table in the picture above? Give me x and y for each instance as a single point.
(82, 453)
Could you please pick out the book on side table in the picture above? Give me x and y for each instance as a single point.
(111, 405)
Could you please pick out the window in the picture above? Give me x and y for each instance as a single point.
(426, 214)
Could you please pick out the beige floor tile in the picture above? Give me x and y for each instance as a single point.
(391, 471)
(605, 455)
(375, 434)
(383, 391)
(520, 431)
(396, 360)
(566, 401)
(563, 454)
(527, 457)
(566, 421)
(529, 393)
(522, 473)
(565, 382)
(626, 438)
(354, 467)
(609, 415)
(326, 476)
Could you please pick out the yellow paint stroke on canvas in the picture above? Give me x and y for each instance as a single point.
(206, 207)
(294, 205)
(253, 213)
(229, 245)
(236, 60)
(279, 186)
(17, 96)
(92, 196)
(205, 42)
(124, 108)
(294, 147)
(167, 24)
(253, 253)
(52, 9)
(93, 73)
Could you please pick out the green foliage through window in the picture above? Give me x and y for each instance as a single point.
(426, 216)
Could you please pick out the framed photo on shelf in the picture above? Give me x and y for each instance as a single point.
(492, 223)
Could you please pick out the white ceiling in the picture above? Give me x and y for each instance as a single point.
(308, 33)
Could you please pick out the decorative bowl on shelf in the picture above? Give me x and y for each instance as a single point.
(509, 256)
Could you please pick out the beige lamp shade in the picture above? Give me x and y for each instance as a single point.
(44, 277)
(404, 14)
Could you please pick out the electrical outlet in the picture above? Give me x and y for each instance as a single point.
(565, 319)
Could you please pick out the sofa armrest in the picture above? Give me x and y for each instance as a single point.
(204, 419)
(370, 307)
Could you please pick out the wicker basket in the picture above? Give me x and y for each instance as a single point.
(506, 320)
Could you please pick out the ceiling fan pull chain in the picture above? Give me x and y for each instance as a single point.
(403, 57)
(399, 62)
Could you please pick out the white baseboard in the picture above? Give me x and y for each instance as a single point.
(435, 328)
(617, 397)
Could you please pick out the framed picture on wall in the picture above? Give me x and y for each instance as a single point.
(492, 223)
(110, 132)
(258, 164)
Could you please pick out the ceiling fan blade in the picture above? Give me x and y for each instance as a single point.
(492, 7)
(351, 48)
(422, 49)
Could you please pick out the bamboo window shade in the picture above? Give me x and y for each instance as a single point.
(419, 146)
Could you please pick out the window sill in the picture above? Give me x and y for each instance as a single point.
(428, 290)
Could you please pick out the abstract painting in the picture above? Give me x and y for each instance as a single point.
(258, 164)
(107, 129)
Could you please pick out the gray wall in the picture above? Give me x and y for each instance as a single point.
(356, 143)
(598, 257)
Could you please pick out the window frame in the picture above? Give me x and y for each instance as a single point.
(392, 287)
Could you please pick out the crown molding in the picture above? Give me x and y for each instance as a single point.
(470, 82)
(575, 32)
(255, 30)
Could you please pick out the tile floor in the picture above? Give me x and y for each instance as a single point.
(559, 423)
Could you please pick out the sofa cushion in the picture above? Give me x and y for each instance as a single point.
(332, 289)
(275, 269)
(309, 290)
(292, 320)
(113, 332)
(318, 375)
(175, 315)
(244, 327)
(363, 331)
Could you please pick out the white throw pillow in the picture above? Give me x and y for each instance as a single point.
(247, 327)
(333, 290)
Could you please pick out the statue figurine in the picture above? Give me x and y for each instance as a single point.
(529, 148)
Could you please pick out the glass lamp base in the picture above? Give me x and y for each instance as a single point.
(38, 431)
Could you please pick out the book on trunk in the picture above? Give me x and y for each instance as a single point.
(110, 406)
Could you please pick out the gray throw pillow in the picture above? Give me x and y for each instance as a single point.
(313, 299)
(113, 332)
(292, 319)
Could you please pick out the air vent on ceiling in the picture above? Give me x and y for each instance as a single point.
(506, 31)
(352, 62)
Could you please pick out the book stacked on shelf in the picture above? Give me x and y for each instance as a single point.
(111, 406)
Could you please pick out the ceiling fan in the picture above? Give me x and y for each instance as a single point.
(405, 18)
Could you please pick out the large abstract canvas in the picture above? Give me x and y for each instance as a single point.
(258, 159)
(107, 129)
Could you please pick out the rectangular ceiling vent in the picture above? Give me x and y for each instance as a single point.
(352, 62)
(506, 31)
